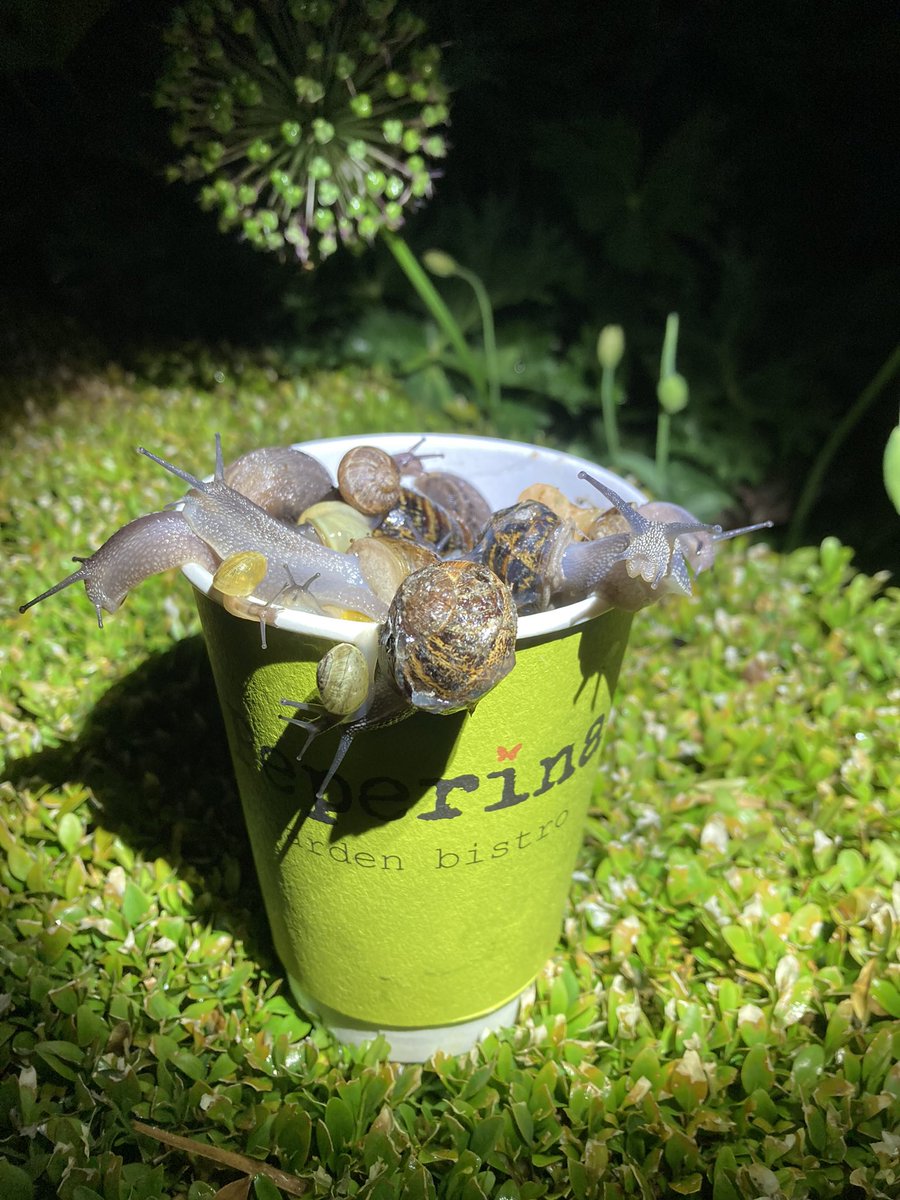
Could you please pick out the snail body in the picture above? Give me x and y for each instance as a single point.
(144, 547)
(213, 523)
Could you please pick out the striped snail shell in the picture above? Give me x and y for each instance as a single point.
(449, 636)
(342, 677)
(523, 545)
(459, 497)
(420, 519)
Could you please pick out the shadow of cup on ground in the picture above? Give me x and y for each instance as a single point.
(154, 754)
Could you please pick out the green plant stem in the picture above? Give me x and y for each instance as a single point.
(417, 276)
(664, 420)
(813, 484)
(608, 406)
(663, 429)
(669, 347)
(490, 341)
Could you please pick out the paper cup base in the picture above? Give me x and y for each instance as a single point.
(411, 1045)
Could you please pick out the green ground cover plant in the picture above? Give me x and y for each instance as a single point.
(721, 1017)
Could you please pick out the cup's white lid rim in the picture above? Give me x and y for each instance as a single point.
(458, 446)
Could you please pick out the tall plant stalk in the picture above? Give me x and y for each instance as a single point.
(813, 484)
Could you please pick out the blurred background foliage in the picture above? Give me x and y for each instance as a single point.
(612, 164)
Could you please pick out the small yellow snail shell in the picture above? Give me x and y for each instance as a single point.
(240, 574)
(342, 678)
(386, 561)
(369, 480)
(336, 524)
(449, 637)
(344, 614)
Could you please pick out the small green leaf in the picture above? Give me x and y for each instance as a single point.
(892, 467)
(265, 1189)
(70, 831)
(756, 1070)
(742, 946)
(134, 903)
(15, 1184)
(339, 1120)
(883, 992)
(807, 1067)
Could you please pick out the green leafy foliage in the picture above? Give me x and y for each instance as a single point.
(722, 1015)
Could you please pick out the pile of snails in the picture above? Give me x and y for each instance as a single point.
(417, 550)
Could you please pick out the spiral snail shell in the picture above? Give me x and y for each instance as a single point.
(240, 574)
(342, 677)
(523, 545)
(369, 479)
(281, 480)
(449, 636)
(386, 561)
(336, 524)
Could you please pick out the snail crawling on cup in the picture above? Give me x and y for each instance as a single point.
(632, 558)
(448, 638)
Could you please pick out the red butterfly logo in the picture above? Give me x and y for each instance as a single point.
(502, 752)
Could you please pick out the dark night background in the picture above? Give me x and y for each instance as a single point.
(735, 162)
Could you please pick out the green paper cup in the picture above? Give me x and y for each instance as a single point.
(425, 891)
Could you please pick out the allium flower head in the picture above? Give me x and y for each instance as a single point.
(314, 122)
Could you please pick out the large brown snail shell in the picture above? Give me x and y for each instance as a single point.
(369, 480)
(459, 497)
(280, 479)
(449, 637)
(523, 545)
(420, 519)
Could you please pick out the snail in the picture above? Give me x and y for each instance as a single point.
(142, 548)
(386, 561)
(449, 638)
(335, 523)
(213, 523)
(543, 560)
(282, 480)
(240, 574)
(342, 677)
(370, 480)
